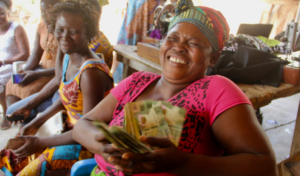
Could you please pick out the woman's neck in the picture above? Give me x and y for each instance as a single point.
(79, 58)
(167, 89)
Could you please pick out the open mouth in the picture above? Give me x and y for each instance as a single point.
(177, 60)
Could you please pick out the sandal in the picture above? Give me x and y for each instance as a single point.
(5, 125)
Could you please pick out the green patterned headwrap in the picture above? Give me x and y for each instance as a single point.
(210, 21)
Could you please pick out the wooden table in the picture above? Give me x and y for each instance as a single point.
(259, 95)
(128, 56)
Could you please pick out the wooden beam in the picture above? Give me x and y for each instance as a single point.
(296, 138)
(282, 2)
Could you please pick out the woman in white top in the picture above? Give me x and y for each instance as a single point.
(14, 46)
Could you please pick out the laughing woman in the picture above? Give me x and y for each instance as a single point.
(221, 134)
(85, 82)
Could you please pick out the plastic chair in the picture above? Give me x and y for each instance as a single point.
(83, 167)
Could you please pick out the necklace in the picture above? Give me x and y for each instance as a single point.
(48, 54)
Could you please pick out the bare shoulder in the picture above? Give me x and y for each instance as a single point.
(94, 76)
(20, 29)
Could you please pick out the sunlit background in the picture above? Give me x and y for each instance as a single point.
(235, 11)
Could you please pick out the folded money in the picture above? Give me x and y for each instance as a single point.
(154, 118)
(148, 118)
(121, 138)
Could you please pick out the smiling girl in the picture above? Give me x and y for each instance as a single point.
(86, 80)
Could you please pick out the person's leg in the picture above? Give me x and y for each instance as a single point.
(5, 123)
(40, 108)
(5, 75)
(11, 99)
(58, 159)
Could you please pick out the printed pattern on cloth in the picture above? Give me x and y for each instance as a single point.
(138, 19)
(239, 40)
(58, 157)
(70, 93)
(102, 45)
(192, 98)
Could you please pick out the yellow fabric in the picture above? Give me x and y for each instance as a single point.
(103, 2)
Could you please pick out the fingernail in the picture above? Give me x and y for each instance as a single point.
(118, 167)
(125, 156)
(113, 145)
(111, 160)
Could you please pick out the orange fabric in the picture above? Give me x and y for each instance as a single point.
(50, 47)
(37, 85)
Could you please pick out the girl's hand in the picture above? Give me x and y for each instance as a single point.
(165, 159)
(32, 145)
(29, 129)
(29, 77)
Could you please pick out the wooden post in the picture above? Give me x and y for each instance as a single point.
(296, 138)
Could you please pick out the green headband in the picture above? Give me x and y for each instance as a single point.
(199, 19)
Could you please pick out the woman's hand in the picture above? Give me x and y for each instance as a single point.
(24, 110)
(29, 77)
(29, 129)
(165, 159)
(106, 149)
(32, 145)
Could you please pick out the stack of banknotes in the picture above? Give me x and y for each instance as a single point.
(147, 118)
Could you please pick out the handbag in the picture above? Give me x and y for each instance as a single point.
(249, 65)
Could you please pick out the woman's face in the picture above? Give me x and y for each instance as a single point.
(70, 32)
(185, 54)
(3, 16)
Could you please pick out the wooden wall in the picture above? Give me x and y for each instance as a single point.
(279, 13)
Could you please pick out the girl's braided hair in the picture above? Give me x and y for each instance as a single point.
(80, 7)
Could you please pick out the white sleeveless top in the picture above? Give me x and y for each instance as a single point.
(8, 43)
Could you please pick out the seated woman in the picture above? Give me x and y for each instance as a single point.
(14, 46)
(221, 134)
(36, 103)
(39, 68)
(85, 82)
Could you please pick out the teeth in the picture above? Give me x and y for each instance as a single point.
(176, 60)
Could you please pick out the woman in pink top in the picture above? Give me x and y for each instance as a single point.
(220, 136)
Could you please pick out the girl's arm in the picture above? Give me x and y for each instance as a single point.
(42, 118)
(36, 54)
(31, 76)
